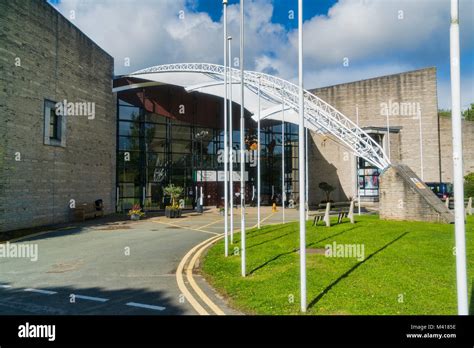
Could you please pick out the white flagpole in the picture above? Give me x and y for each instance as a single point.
(306, 173)
(226, 148)
(357, 165)
(301, 160)
(421, 148)
(231, 145)
(461, 273)
(242, 152)
(258, 158)
(283, 160)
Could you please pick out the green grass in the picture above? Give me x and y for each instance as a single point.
(409, 268)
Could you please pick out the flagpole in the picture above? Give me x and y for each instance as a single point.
(283, 160)
(226, 148)
(242, 152)
(231, 145)
(258, 157)
(461, 273)
(301, 160)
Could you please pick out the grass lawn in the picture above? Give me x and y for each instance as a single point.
(409, 268)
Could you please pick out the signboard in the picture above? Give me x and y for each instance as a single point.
(213, 176)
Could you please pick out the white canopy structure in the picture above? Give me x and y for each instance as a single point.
(319, 115)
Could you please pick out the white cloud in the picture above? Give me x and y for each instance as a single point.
(368, 32)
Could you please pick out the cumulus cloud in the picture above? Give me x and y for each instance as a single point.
(377, 37)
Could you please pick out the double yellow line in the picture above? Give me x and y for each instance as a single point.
(194, 255)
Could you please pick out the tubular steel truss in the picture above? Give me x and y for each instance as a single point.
(318, 113)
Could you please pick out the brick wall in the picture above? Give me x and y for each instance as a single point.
(330, 162)
(57, 62)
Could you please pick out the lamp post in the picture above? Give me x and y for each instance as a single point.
(226, 148)
(301, 160)
(461, 273)
(231, 145)
(242, 153)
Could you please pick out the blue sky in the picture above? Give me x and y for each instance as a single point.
(377, 37)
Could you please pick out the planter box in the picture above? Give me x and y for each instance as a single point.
(172, 213)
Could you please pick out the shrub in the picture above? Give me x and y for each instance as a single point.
(469, 185)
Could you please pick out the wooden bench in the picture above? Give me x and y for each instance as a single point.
(85, 211)
(342, 210)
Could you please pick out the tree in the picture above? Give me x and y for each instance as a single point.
(469, 113)
(174, 192)
(469, 185)
(327, 189)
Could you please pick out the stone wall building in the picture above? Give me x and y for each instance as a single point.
(394, 102)
(47, 161)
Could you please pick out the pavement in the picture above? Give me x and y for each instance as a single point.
(149, 267)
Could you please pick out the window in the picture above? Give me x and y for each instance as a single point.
(54, 125)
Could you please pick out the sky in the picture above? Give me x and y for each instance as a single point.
(372, 37)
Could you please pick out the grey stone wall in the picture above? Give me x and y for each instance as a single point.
(446, 137)
(403, 196)
(44, 56)
(330, 162)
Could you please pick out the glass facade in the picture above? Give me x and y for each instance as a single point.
(368, 175)
(154, 150)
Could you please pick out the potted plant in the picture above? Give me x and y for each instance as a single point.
(173, 210)
(135, 213)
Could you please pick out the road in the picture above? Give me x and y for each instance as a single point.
(114, 268)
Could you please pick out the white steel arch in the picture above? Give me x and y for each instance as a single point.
(318, 114)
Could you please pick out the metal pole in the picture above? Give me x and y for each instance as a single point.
(301, 161)
(226, 152)
(231, 146)
(357, 166)
(306, 173)
(242, 152)
(421, 148)
(461, 273)
(259, 182)
(388, 135)
(283, 160)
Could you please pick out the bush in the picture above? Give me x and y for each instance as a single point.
(469, 185)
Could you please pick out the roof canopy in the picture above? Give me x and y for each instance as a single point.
(276, 95)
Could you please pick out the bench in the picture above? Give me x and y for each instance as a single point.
(85, 211)
(469, 210)
(341, 210)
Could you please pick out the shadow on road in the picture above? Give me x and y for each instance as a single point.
(17, 301)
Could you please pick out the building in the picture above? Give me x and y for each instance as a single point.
(401, 112)
(50, 162)
(66, 138)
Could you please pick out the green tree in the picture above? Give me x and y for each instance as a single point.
(174, 192)
(469, 185)
(469, 113)
(444, 113)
